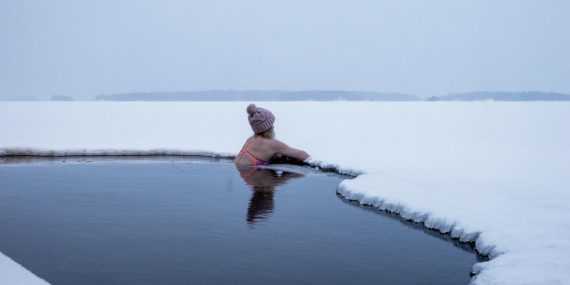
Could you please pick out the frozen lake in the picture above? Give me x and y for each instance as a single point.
(181, 221)
(493, 173)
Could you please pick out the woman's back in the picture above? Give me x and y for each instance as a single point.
(255, 151)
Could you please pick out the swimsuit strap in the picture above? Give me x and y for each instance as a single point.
(246, 148)
(256, 161)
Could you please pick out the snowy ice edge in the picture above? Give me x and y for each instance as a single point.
(14, 273)
(39, 152)
(19, 151)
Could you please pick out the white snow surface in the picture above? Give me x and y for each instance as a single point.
(496, 173)
(13, 273)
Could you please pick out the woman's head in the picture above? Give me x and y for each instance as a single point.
(260, 120)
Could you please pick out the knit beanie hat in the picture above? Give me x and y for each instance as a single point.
(260, 119)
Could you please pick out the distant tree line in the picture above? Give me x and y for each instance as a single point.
(61, 98)
(502, 96)
(324, 95)
(314, 95)
(258, 95)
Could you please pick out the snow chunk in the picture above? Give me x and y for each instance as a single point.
(13, 273)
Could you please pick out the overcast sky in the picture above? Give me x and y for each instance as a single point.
(85, 48)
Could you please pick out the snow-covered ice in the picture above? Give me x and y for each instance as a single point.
(13, 273)
(491, 172)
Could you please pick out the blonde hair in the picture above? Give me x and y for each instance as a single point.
(269, 134)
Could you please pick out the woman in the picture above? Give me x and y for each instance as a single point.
(262, 147)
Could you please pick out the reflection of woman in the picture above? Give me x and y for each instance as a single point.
(262, 147)
(263, 183)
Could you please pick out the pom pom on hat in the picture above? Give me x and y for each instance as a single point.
(251, 109)
(259, 119)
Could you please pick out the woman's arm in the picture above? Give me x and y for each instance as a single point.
(283, 149)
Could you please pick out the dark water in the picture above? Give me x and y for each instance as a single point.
(199, 222)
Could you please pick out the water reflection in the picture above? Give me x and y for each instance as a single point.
(263, 182)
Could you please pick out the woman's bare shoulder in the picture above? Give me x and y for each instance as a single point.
(276, 144)
(280, 147)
